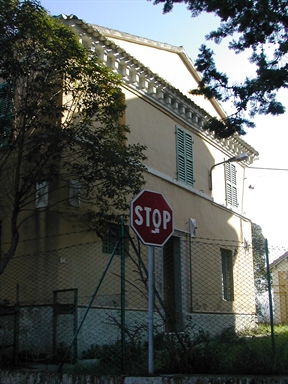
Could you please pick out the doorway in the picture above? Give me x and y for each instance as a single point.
(173, 285)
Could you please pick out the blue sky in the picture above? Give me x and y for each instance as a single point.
(268, 202)
(141, 18)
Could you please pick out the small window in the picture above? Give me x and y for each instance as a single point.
(184, 154)
(231, 185)
(41, 194)
(5, 114)
(74, 193)
(0, 237)
(227, 275)
(112, 236)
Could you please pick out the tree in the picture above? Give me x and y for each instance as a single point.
(257, 25)
(259, 252)
(260, 271)
(60, 117)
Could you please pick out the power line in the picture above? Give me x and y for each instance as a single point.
(270, 169)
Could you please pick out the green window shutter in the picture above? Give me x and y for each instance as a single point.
(181, 155)
(5, 114)
(231, 185)
(184, 148)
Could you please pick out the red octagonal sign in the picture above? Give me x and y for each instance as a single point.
(151, 217)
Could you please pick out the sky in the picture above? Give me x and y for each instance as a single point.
(266, 189)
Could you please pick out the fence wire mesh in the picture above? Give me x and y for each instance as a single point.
(85, 308)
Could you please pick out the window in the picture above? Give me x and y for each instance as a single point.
(41, 194)
(231, 185)
(184, 156)
(74, 193)
(5, 114)
(0, 237)
(227, 275)
(112, 236)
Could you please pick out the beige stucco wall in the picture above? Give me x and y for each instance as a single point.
(280, 291)
(152, 125)
(156, 129)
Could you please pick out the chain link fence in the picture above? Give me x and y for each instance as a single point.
(84, 308)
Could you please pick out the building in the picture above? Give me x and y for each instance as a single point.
(199, 278)
(279, 271)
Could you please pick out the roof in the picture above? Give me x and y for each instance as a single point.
(179, 104)
(113, 33)
(279, 260)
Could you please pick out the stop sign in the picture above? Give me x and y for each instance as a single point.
(151, 217)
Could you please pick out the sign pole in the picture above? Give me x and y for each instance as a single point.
(151, 218)
(150, 310)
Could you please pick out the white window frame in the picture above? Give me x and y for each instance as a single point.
(42, 190)
(74, 193)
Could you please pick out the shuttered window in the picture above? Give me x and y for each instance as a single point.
(5, 114)
(231, 185)
(184, 148)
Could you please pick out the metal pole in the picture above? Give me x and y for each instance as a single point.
(75, 346)
(150, 310)
(16, 325)
(190, 270)
(123, 296)
(270, 298)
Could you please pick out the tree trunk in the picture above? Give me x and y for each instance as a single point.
(7, 256)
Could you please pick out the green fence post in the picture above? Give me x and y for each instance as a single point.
(190, 272)
(122, 296)
(75, 325)
(16, 326)
(270, 299)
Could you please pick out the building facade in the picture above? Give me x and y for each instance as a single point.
(204, 273)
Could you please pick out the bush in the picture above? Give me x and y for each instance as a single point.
(248, 353)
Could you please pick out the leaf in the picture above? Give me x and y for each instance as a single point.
(65, 125)
(259, 26)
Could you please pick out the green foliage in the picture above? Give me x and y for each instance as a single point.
(259, 26)
(65, 124)
(259, 257)
(108, 358)
(260, 270)
(249, 352)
